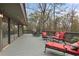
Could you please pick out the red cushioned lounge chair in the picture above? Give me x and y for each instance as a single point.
(63, 48)
(59, 35)
(44, 35)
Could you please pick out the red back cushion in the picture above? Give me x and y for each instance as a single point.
(57, 34)
(62, 34)
(44, 34)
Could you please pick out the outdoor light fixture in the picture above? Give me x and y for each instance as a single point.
(1, 15)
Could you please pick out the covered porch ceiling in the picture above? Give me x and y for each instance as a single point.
(15, 11)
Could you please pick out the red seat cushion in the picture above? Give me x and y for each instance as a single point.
(55, 45)
(61, 47)
(70, 51)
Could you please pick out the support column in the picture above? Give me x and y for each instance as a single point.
(1, 45)
(22, 29)
(18, 31)
(9, 41)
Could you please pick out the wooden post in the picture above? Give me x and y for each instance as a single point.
(9, 41)
(1, 43)
(18, 31)
(22, 29)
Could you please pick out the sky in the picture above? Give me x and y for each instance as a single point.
(31, 7)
